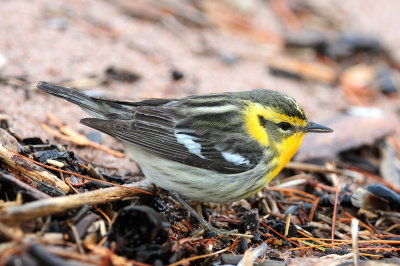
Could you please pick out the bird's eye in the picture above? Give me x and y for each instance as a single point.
(284, 126)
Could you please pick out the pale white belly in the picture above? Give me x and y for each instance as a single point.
(195, 183)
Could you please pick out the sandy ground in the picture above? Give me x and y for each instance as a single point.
(56, 40)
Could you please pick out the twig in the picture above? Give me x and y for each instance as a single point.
(293, 191)
(252, 254)
(392, 227)
(285, 14)
(372, 230)
(183, 261)
(78, 240)
(354, 242)
(311, 238)
(327, 228)
(322, 169)
(60, 204)
(294, 181)
(313, 209)
(375, 178)
(105, 216)
(10, 233)
(114, 259)
(278, 234)
(78, 175)
(68, 134)
(31, 170)
(33, 192)
(335, 206)
(287, 225)
(378, 248)
(69, 254)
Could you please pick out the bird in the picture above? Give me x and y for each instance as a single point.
(216, 147)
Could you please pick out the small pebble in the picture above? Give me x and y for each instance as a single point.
(177, 75)
(210, 234)
(58, 23)
(94, 136)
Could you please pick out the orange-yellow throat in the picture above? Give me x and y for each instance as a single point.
(285, 150)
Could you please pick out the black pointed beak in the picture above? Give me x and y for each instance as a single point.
(316, 128)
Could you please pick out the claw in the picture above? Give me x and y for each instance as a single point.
(206, 225)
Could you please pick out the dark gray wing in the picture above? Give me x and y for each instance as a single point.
(153, 128)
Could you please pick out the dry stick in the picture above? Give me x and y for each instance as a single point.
(354, 242)
(78, 240)
(286, 15)
(311, 238)
(394, 226)
(108, 255)
(377, 248)
(326, 227)
(348, 241)
(313, 209)
(184, 261)
(278, 234)
(339, 225)
(361, 223)
(69, 254)
(31, 170)
(33, 192)
(108, 219)
(287, 225)
(341, 244)
(51, 206)
(375, 178)
(335, 206)
(293, 191)
(78, 139)
(78, 175)
(322, 169)
(70, 135)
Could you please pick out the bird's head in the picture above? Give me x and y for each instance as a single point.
(277, 121)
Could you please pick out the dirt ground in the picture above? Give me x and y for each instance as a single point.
(54, 41)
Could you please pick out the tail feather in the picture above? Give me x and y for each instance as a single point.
(95, 106)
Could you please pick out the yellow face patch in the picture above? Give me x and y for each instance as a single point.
(257, 131)
(287, 146)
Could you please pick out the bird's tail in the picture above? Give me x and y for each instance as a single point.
(100, 108)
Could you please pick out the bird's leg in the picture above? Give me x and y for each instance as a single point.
(199, 210)
(203, 222)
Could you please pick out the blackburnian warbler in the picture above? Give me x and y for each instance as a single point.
(210, 148)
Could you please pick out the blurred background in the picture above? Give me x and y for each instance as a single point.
(339, 59)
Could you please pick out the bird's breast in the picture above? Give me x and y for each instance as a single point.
(284, 152)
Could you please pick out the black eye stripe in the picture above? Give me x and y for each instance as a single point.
(284, 126)
(262, 120)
